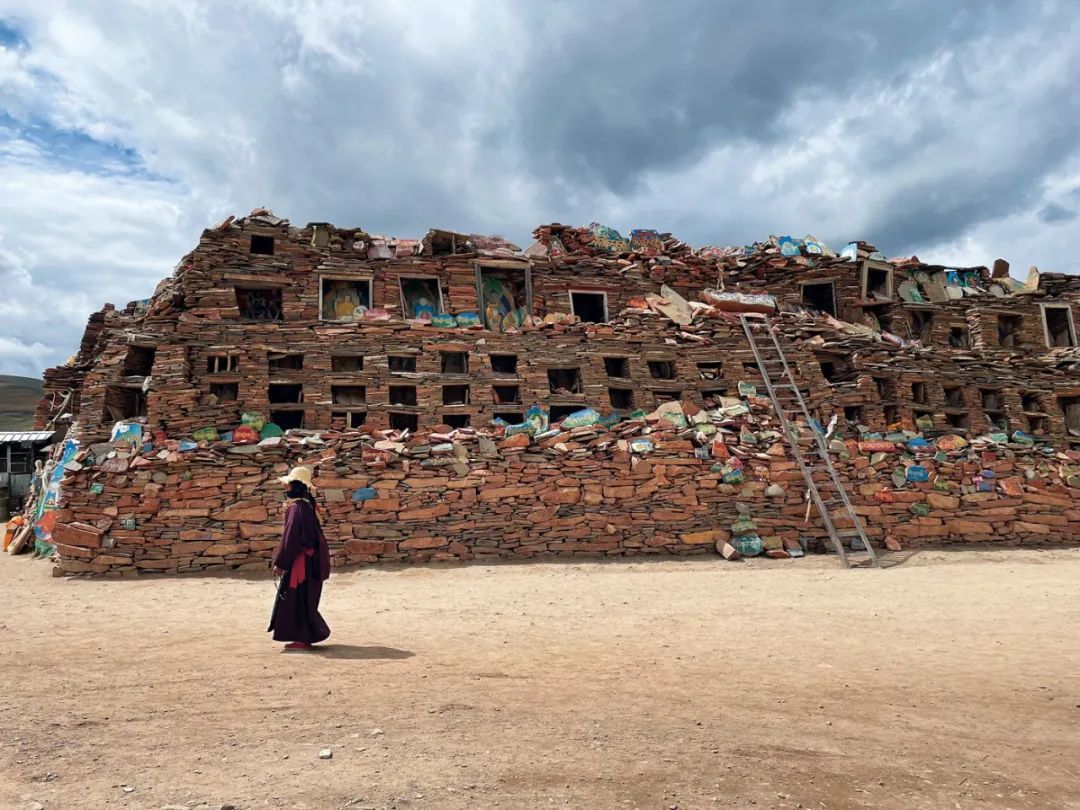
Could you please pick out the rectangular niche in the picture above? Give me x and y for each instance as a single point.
(621, 398)
(506, 394)
(222, 363)
(260, 303)
(348, 394)
(404, 421)
(505, 295)
(402, 394)
(564, 380)
(455, 395)
(504, 363)
(139, 361)
(288, 419)
(455, 420)
(617, 366)
(349, 419)
(421, 297)
(820, 296)
(345, 363)
(279, 393)
(662, 369)
(591, 307)
(225, 392)
(401, 363)
(343, 299)
(454, 362)
(286, 362)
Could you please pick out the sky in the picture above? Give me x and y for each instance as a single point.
(950, 130)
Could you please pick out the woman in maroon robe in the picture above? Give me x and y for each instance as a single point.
(302, 560)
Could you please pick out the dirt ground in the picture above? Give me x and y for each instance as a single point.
(951, 679)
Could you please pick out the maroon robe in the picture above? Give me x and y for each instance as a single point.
(296, 609)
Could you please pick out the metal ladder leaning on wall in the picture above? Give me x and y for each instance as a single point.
(786, 398)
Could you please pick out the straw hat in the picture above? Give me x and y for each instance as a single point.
(302, 474)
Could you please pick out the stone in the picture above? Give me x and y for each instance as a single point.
(326, 753)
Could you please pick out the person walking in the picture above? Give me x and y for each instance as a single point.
(302, 560)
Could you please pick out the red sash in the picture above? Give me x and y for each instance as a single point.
(298, 572)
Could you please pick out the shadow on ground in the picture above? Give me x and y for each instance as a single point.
(352, 652)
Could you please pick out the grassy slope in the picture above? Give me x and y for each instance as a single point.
(18, 398)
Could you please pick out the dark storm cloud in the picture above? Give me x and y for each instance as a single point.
(1054, 213)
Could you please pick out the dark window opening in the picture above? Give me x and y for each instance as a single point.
(1009, 327)
(401, 362)
(918, 393)
(262, 245)
(660, 397)
(221, 363)
(590, 307)
(960, 421)
(285, 392)
(139, 361)
(829, 370)
(402, 394)
(922, 325)
(505, 297)
(504, 363)
(617, 366)
(959, 338)
(621, 398)
(1031, 403)
(404, 421)
(1036, 424)
(881, 385)
(892, 414)
(1059, 328)
(225, 392)
(712, 397)
(512, 417)
(344, 300)
(820, 297)
(456, 420)
(954, 397)
(348, 419)
(288, 420)
(560, 412)
(991, 399)
(123, 403)
(712, 370)
(260, 303)
(286, 362)
(1070, 409)
(455, 395)
(751, 369)
(506, 394)
(348, 394)
(22, 460)
(421, 298)
(853, 414)
(998, 421)
(454, 362)
(346, 362)
(878, 284)
(564, 380)
(662, 369)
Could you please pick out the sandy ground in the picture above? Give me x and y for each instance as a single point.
(950, 680)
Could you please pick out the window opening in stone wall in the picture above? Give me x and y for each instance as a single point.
(891, 414)
(617, 366)
(881, 385)
(402, 394)
(1031, 402)
(991, 399)
(589, 306)
(259, 303)
(286, 362)
(712, 397)
(506, 394)
(421, 297)
(456, 420)
(820, 297)
(348, 419)
(401, 363)
(344, 363)
(505, 296)
(280, 393)
(958, 421)
(1070, 409)
(922, 325)
(454, 362)
(288, 420)
(918, 393)
(750, 368)
(1059, 327)
(564, 380)
(711, 370)
(959, 337)
(22, 460)
(877, 283)
(660, 397)
(122, 402)
(662, 369)
(222, 363)
(262, 245)
(225, 392)
(511, 417)
(1009, 327)
(455, 395)
(559, 412)
(954, 397)
(348, 394)
(853, 414)
(621, 398)
(344, 299)
(504, 363)
(139, 361)
(404, 421)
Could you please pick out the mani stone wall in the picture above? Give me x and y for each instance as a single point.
(220, 509)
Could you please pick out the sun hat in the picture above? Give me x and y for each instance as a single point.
(301, 474)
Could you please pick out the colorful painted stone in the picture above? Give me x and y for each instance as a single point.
(254, 420)
(646, 242)
(245, 434)
(917, 473)
(608, 239)
(749, 545)
(365, 494)
(97, 489)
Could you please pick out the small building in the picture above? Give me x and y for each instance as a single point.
(18, 449)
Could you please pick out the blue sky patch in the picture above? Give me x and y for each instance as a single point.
(10, 35)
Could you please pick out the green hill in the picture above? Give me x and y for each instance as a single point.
(18, 398)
